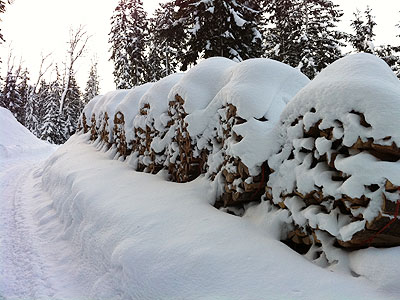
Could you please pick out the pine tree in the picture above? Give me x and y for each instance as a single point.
(303, 33)
(50, 126)
(164, 47)
(128, 36)
(92, 86)
(10, 95)
(362, 40)
(72, 109)
(218, 28)
(363, 37)
(23, 91)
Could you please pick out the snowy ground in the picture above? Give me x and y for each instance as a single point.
(83, 226)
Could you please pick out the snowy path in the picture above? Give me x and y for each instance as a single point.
(22, 269)
(35, 261)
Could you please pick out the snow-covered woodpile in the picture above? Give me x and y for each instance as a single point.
(192, 110)
(251, 103)
(336, 169)
(151, 126)
(324, 151)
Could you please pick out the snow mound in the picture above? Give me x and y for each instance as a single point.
(15, 138)
(337, 167)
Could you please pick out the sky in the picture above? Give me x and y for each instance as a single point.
(42, 26)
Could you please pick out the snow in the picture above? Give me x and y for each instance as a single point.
(202, 82)
(108, 104)
(18, 140)
(157, 97)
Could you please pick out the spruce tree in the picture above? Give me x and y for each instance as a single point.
(165, 46)
(10, 97)
(92, 88)
(362, 39)
(218, 28)
(72, 109)
(49, 128)
(303, 33)
(128, 36)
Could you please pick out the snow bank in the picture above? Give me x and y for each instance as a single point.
(151, 245)
(337, 166)
(15, 139)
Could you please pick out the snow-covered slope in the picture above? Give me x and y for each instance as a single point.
(15, 139)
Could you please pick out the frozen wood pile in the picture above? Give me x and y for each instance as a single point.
(337, 168)
(151, 126)
(251, 103)
(325, 151)
(192, 111)
(126, 111)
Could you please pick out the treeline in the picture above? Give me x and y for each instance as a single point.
(300, 33)
(49, 108)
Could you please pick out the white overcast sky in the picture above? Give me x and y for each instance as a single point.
(36, 26)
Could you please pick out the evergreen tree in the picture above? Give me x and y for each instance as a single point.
(92, 86)
(72, 109)
(32, 111)
(10, 96)
(50, 126)
(165, 47)
(128, 36)
(23, 91)
(362, 40)
(218, 28)
(303, 33)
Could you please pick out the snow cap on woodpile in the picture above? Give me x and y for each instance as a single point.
(157, 100)
(129, 107)
(259, 89)
(202, 82)
(108, 103)
(337, 167)
(360, 82)
(88, 109)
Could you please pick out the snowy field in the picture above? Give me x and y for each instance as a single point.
(80, 225)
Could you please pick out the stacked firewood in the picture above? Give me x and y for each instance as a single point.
(144, 135)
(239, 186)
(186, 161)
(83, 125)
(119, 135)
(318, 150)
(93, 128)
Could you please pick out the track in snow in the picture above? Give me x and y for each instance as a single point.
(35, 261)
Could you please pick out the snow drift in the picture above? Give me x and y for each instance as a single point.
(15, 138)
